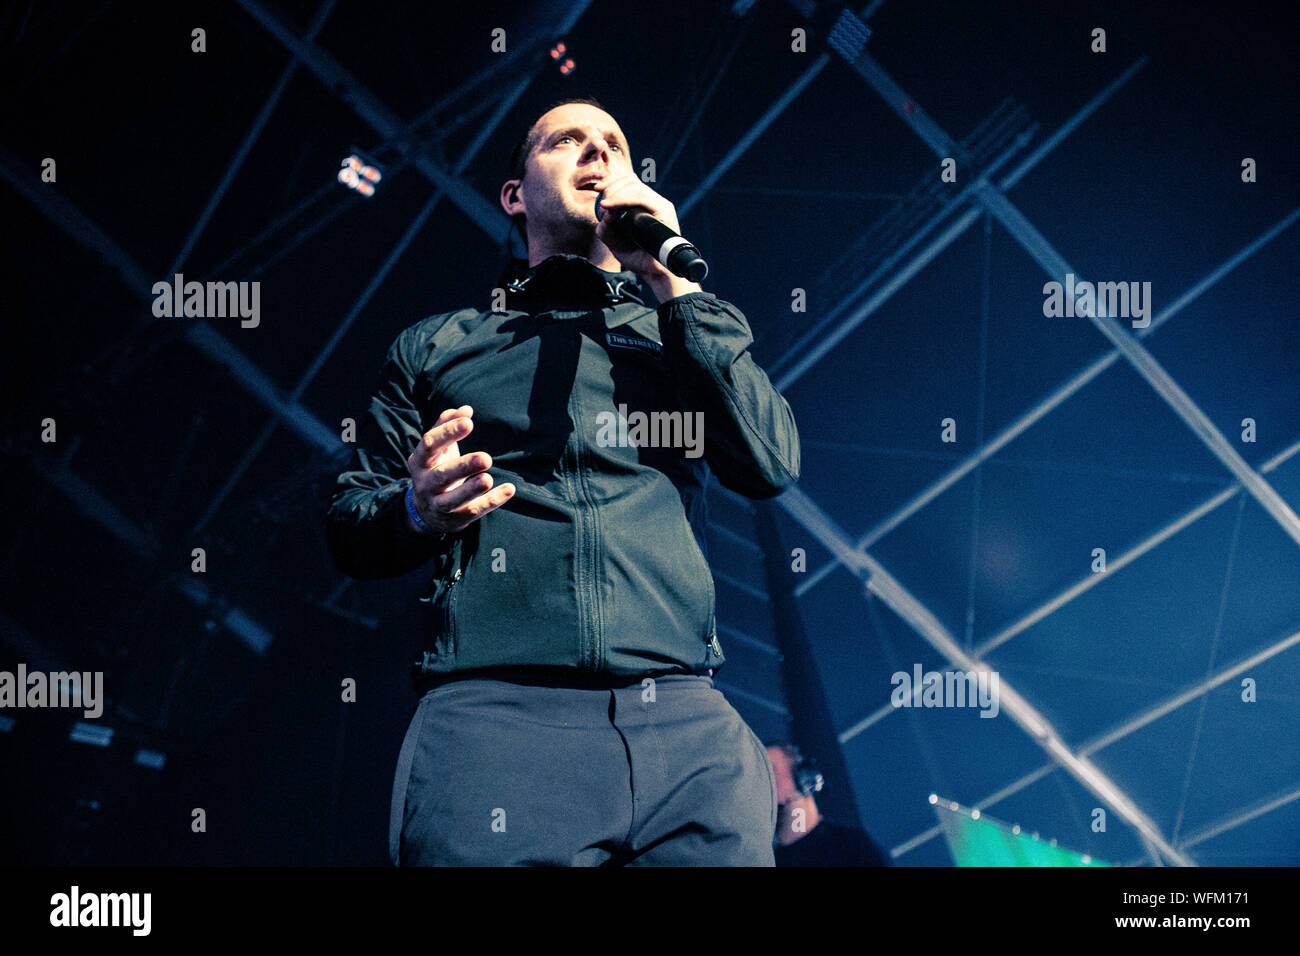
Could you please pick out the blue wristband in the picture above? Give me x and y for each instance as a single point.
(415, 515)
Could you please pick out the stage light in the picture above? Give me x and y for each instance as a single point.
(84, 733)
(359, 175)
(975, 839)
(565, 63)
(247, 630)
(150, 758)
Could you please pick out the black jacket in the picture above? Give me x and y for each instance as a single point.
(596, 565)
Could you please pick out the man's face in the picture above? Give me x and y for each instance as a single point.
(577, 144)
(783, 771)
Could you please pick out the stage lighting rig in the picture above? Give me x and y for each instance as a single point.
(565, 64)
(358, 174)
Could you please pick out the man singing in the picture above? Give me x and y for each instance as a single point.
(568, 714)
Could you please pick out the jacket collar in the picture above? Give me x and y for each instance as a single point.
(568, 280)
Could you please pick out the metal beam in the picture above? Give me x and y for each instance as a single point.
(82, 229)
(1054, 264)
(1129, 556)
(1142, 719)
(298, 419)
(89, 235)
(1036, 244)
(376, 280)
(1055, 603)
(813, 345)
(738, 539)
(884, 585)
(1199, 689)
(732, 690)
(413, 229)
(733, 634)
(822, 344)
(63, 213)
(103, 512)
(1050, 401)
(246, 146)
(489, 216)
(764, 121)
(755, 131)
(1244, 815)
(30, 648)
(231, 171)
(801, 683)
(520, 53)
(742, 586)
(500, 64)
(97, 508)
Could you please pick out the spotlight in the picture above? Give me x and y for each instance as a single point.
(565, 63)
(150, 758)
(359, 175)
(97, 736)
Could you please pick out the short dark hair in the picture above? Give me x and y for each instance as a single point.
(524, 148)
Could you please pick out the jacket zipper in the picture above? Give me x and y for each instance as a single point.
(588, 558)
(449, 614)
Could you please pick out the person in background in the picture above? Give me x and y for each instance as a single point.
(803, 836)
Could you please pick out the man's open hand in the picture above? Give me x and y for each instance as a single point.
(452, 490)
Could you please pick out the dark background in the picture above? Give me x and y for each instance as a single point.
(236, 679)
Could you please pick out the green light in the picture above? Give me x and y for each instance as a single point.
(987, 842)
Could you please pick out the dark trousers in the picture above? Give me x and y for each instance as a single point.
(498, 773)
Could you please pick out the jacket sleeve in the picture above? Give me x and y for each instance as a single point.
(750, 439)
(366, 525)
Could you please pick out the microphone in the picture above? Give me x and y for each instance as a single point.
(673, 252)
